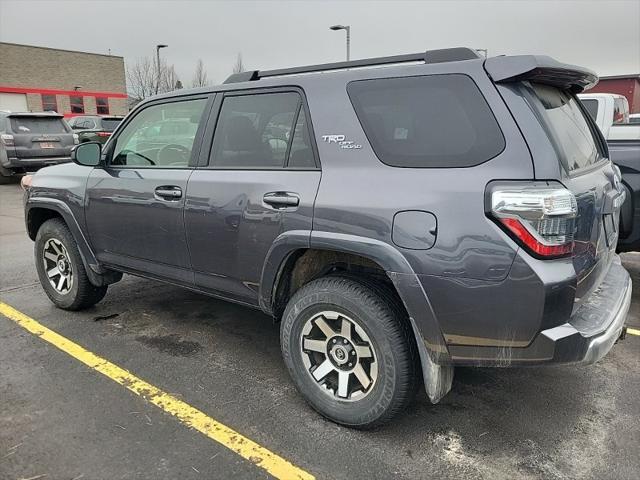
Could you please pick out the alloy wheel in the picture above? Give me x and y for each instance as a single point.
(57, 266)
(339, 356)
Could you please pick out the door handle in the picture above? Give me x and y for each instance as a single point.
(170, 192)
(281, 199)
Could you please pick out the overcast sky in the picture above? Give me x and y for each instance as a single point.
(602, 35)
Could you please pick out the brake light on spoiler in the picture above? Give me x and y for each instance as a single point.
(104, 134)
(541, 219)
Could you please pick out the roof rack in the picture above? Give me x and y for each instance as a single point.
(430, 56)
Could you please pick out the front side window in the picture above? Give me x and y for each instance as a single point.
(102, 105)
(49, 103)
(427, 122)
(257, 131)
(77, 104)
(160, 136)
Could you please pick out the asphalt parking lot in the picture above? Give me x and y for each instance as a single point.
(60, 419)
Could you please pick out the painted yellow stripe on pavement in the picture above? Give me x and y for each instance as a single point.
(633, 331)
(188, 415)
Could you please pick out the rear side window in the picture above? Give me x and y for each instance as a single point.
(266, 130)
(591, 105)
(567, 127)
(37, 125)
(435, 121)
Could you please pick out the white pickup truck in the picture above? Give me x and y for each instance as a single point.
(611, 113)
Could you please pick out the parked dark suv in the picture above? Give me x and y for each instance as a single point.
(29, 141)
(94, 128)
(421, 212)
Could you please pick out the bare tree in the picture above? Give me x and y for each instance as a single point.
(239, 66)
(200, 77)
(142, 77)
(169, 80)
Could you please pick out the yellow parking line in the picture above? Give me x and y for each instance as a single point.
(188, 415)
(633, 331)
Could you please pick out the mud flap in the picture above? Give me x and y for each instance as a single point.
(437, 378)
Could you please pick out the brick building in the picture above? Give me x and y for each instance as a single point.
(72, 83)
(627, 85)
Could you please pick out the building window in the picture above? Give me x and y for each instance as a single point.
(102, 105)
(77, 104)
(49, 103)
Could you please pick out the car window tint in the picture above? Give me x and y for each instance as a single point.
(591, 106)
(567, 127)
(301, 154)
(37, 125)
(110, 124)
(427, 121)
(254, 131)
(160, 136)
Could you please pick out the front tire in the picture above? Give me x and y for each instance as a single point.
(349, 351)
(61, 270)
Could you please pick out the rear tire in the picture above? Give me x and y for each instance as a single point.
(350, 351)
(61, 270)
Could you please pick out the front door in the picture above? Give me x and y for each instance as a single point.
(261, 181)
(135, 203)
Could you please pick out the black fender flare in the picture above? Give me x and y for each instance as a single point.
(97, 274)
(432, 348)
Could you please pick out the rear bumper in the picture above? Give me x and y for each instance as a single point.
(586, 337)
(25, 164)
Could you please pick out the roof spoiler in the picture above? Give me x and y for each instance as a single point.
(540, 69)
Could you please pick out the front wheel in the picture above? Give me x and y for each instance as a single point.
(61, 270)
(349, 351)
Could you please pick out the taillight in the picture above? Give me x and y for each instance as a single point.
(104, 134)
(7, 139)
(541, 219)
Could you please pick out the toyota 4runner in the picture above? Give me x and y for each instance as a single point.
(399, 216)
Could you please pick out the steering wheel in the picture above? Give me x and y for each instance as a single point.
(174, 154)
(137, 154)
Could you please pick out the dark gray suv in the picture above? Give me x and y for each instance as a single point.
(400, 216)
(29, 141)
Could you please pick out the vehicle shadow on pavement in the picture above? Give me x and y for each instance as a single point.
(551, 421)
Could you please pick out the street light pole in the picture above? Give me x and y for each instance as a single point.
(158, 47)
(346, 28)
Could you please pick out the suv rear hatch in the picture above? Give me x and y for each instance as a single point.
(40, 136)
(578, 159)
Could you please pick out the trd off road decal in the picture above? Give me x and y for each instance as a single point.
(341, 141)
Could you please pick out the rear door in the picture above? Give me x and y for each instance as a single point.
(588, 173)
(134, 209)
(36, 136)
(258, 180)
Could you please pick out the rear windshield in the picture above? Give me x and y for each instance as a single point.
(567, 127)
(110, 124)
(427, 121)
(591, 106)
(37, 125)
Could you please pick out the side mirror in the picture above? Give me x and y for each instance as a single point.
(87, 154)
